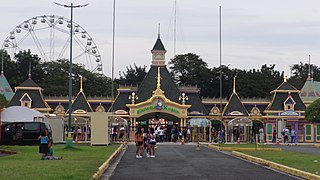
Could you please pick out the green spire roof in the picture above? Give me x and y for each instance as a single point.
(5, 88)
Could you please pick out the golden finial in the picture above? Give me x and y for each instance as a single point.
(158, 90)
(158, 79)
(234, 84)
(284, 74)
(81, 83)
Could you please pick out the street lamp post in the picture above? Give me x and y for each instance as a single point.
(69, 139)
(221, 133)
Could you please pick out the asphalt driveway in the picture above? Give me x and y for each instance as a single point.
(185, 162)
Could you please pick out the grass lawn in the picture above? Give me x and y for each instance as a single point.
(302, 161)
(79, 162)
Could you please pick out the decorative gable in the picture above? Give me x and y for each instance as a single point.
(26, 101)
(59, 109)
(255, 111)
(235, 107)
(100, 108)
(289, 103)
(215, 111)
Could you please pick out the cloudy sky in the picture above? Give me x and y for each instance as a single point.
(253, 32)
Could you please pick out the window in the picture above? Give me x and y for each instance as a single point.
(32, 126)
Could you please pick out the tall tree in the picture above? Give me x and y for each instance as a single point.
(258, 83)
(133, 75)
(3, 101)
(23, 59)
(300, 74)
(10, 69)
(190, 69)
(56, 80)
(312, 112)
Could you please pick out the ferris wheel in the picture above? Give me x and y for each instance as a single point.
(48, 36)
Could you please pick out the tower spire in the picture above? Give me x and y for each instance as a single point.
(159, 31)
(234, 84)
(29, 70)
(81, 90)
(309, 70)
(158, 52)
(2, 73)
(284, 74)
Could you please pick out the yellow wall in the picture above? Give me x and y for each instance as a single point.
(99, 128)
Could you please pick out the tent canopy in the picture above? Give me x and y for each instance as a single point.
(240, 121)
(20, 114)
(200, 122)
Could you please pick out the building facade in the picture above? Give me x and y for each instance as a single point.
(158, 101)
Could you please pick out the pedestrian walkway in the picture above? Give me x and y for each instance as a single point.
(174, 161)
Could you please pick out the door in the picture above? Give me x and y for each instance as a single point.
(318, 133)
(309, 132)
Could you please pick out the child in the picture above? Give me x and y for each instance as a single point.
(50, 155)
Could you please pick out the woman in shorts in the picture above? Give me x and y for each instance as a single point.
(138, 139)
(152, 143)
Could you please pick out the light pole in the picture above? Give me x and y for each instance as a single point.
(69, 139)
(221, 133)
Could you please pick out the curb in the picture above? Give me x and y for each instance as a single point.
(107, 163)
(242, 149)
(280, 167)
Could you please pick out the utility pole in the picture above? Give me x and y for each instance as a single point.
(69, 138)
(221, 126)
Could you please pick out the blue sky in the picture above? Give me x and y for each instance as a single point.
(253, 32)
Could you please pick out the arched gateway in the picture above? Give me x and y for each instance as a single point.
(158, 101)
(158, 110)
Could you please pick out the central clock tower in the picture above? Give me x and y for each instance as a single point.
(158, 53)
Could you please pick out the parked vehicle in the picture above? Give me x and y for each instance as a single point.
(22, 133)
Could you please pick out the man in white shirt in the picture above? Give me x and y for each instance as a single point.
(188, 135)
(261, 135)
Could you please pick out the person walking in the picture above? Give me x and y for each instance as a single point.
(293, 136)
(261, 135)
(152, 143)
(161, 134)
(114, 133)
(188, 135)
(138, 139)
(274, 136)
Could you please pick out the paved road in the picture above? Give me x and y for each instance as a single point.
(185, 162)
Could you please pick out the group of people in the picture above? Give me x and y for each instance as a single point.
(78, 133)
(145, 141)
(288, 136)
(45, 148)
(114, 133)
(217, 136)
